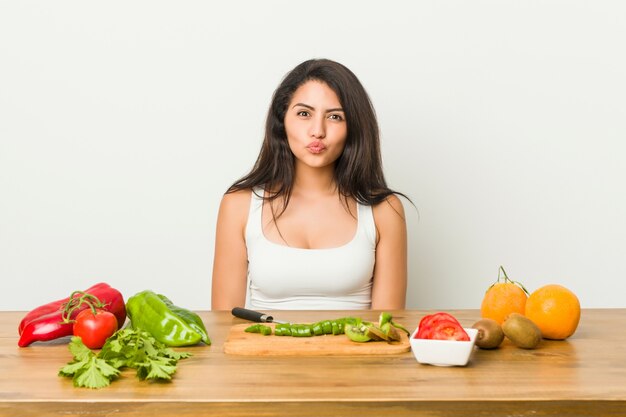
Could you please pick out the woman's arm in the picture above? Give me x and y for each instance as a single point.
(390, 270)
(230, 262)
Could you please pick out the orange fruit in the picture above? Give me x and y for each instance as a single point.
(503, 298)
(555, 310)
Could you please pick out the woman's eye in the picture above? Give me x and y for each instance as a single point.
(336, 117)
(303, 113)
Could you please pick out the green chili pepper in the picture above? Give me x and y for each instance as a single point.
(340, 327)
(169, 324)
(398, 326)
(327, 327)
(252, 329)
(318, 330)
(282, 330)
(301, 330)
(259, 328)
(332, 327)
(350, 320)
(384, 318)
(387, 318)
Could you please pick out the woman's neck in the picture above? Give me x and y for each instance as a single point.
(310, 180)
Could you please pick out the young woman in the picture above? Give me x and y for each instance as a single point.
(313, 225)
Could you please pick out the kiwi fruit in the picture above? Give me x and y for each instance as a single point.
(357, 332)
(375, 333)
(394, 335)
(388, 333)
(521, 331)
(490, 334)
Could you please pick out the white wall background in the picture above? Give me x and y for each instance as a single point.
(122, 123)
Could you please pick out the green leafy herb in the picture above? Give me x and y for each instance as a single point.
(131, 348)
(87, 369)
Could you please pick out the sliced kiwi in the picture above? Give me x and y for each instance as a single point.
(375, 333)
(357, 332)
(490, 334)
(391, 332)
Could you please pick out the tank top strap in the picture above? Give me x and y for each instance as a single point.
(254, 226)
(367, 226)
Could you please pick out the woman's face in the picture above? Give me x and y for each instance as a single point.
(315, 125)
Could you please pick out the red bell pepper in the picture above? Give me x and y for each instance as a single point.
(51, 308)
(51, 320)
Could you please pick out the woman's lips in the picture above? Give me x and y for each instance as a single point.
(316, 146)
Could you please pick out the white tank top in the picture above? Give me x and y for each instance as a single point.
(285, 278)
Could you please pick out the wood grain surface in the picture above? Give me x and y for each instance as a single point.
(582, 376)
(238, 342)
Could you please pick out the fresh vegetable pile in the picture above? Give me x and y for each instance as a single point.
(355, 328)
(126, 348)
(95, 318)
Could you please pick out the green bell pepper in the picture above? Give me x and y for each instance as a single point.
(169, 324)
(190, 317)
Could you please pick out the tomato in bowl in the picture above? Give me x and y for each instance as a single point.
(440, 340)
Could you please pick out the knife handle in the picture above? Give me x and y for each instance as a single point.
(244, 313)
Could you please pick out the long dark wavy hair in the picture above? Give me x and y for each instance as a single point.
(358, 170)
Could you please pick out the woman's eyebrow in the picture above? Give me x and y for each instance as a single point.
(313, 108)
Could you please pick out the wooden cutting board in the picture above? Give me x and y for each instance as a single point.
(239, 342)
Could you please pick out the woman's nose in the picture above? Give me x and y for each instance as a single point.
(318, 127)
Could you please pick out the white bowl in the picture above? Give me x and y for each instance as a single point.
(443, 352)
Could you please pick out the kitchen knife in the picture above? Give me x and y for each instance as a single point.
(244, 313)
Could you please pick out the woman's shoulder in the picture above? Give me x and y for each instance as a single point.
(236, 202)
(237, 195)
(389, 214)
(391, 204)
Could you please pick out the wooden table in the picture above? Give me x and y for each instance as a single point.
(585, 375)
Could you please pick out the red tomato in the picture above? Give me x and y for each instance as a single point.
(94, 330)
(426, 324)
(441, 326)
(448, 330)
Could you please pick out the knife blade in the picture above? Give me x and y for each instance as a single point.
(256, 316)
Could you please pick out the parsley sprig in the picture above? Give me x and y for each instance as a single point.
(131, 348)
